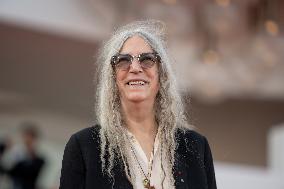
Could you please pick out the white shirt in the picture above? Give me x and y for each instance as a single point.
(157, 174)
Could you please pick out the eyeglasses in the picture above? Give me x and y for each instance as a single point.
(146, 60)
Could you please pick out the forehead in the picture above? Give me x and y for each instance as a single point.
(135, 45)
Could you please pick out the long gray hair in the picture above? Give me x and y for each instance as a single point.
(170, 114)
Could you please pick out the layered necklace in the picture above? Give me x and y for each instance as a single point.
(147, 177)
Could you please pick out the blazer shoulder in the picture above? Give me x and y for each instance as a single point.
(189, 134)
(86, 138)
(191, 142)
(92, 131)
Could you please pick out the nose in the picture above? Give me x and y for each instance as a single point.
(135, 66)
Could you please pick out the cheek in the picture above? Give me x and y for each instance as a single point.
(119, 78)
(156, 81)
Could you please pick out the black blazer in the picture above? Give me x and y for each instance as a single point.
(81, 165)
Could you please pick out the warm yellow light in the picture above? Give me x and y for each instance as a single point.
(223, 3)
(210, 57)
(272, 27)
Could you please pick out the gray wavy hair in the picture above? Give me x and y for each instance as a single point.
(170, 114)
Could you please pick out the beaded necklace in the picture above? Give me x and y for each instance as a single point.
(146, 180)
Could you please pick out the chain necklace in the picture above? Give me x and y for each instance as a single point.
(146, 180)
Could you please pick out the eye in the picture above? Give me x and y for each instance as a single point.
(123, 61)
(147, 60)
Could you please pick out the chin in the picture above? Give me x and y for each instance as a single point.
(136, 98)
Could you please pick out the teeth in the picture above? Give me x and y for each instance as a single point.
(136, 83)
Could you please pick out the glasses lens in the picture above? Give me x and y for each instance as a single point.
(147, 60)
(123, 61)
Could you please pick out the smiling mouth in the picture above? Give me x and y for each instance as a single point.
(135, 83)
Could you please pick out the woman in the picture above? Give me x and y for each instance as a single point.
(142, 139)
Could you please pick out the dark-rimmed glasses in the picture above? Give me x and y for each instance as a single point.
(146, 60)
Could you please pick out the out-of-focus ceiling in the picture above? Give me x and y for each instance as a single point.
(47, 48)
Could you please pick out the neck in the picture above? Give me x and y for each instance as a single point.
(140, 118)
(140, 121)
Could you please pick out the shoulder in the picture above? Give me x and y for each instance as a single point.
(88, 132)
(190, 135)
(84, 139)
(191, 141)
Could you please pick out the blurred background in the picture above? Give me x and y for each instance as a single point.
(228, 58)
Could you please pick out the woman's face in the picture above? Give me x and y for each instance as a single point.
(137, 84)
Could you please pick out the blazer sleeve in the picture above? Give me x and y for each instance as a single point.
(72, 171)
(209, 166)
